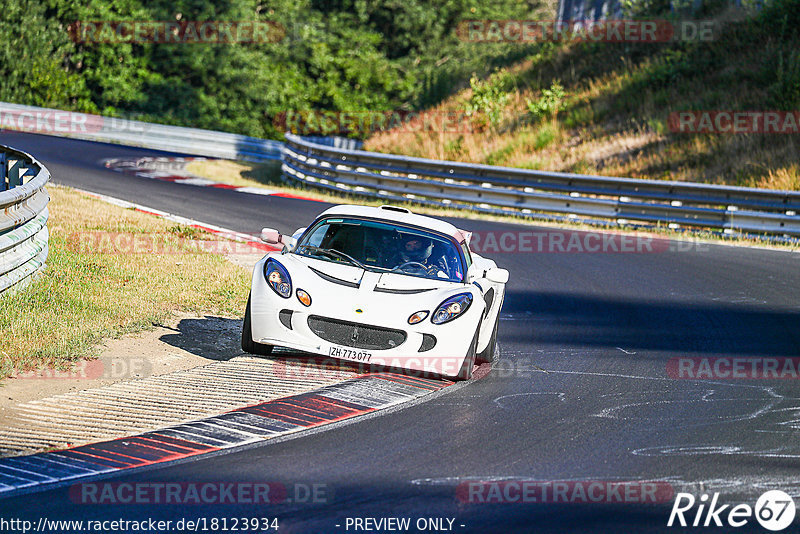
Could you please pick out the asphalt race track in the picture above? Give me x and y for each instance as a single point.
(581, 390)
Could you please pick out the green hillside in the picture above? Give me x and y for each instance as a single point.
(604, 108)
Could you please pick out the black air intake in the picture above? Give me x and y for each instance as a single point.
(285, 316)
(428, 342)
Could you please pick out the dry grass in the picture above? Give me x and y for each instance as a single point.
(640, 151)
(233, 173)
(785, 178)
(89, 292)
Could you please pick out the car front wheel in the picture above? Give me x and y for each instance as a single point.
(248, 345)
(487, 355)
(465, 373)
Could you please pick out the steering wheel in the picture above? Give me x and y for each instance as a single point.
(416, 264)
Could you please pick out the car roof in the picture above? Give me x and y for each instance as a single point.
(399, 215)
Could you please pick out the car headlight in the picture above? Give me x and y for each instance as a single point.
(278, 278)
(452, 308)
(303, 297)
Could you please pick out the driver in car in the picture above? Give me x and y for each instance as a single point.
(417, 252)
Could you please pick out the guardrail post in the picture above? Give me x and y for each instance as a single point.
(13, 174)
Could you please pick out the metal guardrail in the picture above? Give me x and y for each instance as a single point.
(136, 133)
(23, 219)
(539, 195)
(482, 188)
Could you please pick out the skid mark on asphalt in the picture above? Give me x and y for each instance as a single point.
(682, 398)
(501, 401)
(727, 450)
(696, 404)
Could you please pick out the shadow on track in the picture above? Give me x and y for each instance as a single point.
(686, 327)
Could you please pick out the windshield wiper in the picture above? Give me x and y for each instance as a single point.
(332, 252)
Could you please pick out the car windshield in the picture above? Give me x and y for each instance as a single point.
(383, 247)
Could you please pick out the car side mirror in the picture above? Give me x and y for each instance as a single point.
(497, 275)
(271, 236)
(274, 237)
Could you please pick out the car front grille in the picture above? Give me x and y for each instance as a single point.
(355, 335)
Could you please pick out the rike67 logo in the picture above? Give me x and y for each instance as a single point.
(774, 510)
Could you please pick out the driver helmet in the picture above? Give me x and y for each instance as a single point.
(415, 248)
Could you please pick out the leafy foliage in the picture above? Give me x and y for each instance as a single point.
(488, 100)
(348, 55)
(785, 91)
(549, 104)
(34, 64)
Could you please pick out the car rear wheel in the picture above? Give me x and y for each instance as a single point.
(248, 345)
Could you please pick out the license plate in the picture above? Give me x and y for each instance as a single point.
(349, 354)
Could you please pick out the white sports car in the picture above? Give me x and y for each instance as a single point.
(380, 286)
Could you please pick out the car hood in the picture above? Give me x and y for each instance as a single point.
(338, 271)
(355, 275)
(404, 282)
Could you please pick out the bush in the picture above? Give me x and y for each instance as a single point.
(549, 104)
(785, 92)
(488, 100)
